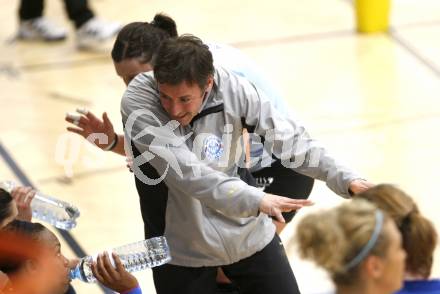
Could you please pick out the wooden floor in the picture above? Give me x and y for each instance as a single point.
(373, 100)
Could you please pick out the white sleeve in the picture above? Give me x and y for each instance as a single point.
(288, 140)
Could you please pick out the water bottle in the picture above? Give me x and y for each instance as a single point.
(134, 257)
(48, 209)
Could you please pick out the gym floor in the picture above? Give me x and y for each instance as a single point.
(371, 99)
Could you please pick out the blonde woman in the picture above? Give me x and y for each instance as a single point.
(418, 235)
(357, 244)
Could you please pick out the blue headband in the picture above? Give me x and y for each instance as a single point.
(370, 244)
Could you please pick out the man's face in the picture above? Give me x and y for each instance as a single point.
(182, 102)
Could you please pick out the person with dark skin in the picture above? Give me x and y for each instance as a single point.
(43, 269)
(48, 272)
(115, 277)
(17, 206)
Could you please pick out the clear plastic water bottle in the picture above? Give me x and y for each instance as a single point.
(134, 257)
(48, 209)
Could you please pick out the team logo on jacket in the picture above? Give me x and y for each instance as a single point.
(213, 147)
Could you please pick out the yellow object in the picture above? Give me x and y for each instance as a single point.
(372, 15)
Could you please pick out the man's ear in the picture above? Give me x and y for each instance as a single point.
(210, 83)
(374, 266)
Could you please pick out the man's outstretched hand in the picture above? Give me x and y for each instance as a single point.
(274, 205)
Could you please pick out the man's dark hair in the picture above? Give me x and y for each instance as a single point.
(5, 204)
(181, 59)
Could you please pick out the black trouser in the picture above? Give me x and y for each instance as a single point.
(77, 10)
(283, 181)
(267, 271)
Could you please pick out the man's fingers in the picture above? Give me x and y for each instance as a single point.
(83, 120)
(274, 205)
(278, 216)
(359, 185)
(82, 111)
(73, 118)
(91, 117)
(77, 119)
(304, 202)
(76, 131)
(288, 204)
(290, 207)
(69, 118)
(106, 120)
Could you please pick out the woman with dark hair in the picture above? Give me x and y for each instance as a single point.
(8, 209)
(133, 52)
(8, 212)
(17, 206)
(17, 272)
(418, 234)
(137, 43)
(47, 271)
(39, 267)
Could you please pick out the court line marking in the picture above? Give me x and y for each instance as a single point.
(380, 124)
(394, 35)
(69, 98)
(293, 39)
(62, 179)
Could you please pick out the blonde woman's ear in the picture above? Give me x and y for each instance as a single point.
(374, 266)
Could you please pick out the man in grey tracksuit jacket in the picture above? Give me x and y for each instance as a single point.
(212, 217)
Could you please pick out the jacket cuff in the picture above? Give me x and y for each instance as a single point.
(255, 197)
(340, 184)
(347, 192)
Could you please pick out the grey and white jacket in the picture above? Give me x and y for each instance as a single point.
(212, 217)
